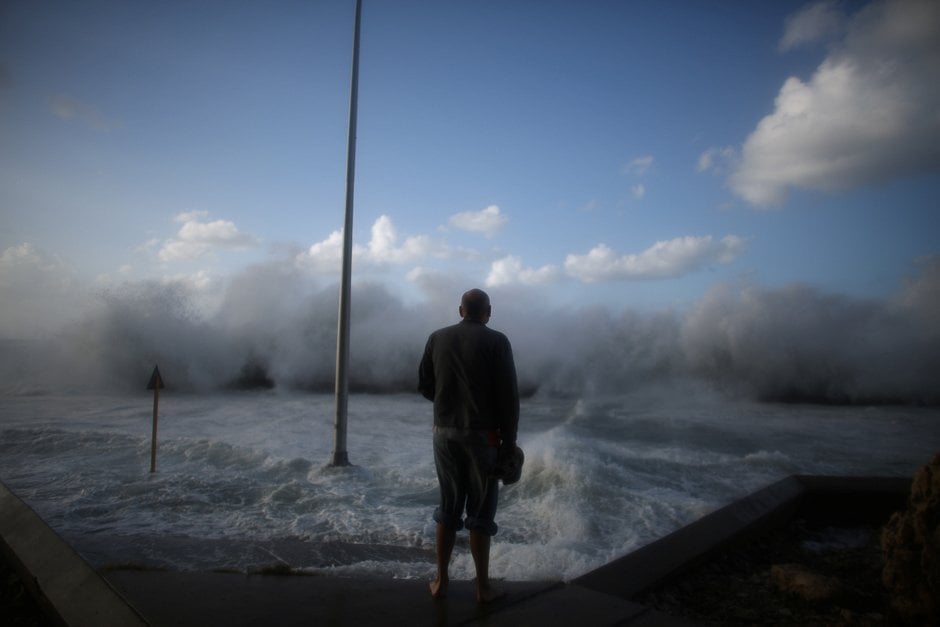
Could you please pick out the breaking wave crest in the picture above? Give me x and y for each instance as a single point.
(273, 330)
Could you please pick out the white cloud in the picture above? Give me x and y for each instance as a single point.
(487, 221)
(148, 247)
(638, 191)
(867, 115)
(386, 248)
(509, 271)
(383, 249)
(664, 259)
(715, 159)
(16, 255)
(638, 166)
(196, 238)
(326, 256)
(813, 23)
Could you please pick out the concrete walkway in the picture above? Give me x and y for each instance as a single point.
(184, 599)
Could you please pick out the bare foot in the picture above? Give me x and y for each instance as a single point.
(488, 594)
(438, 588)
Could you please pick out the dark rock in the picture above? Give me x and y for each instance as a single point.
(911, 546)
(808, 585)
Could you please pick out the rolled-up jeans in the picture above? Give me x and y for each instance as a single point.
(464, 461)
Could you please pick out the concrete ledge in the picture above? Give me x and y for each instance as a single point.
(694, 543)
(835, 500)
(65, 586)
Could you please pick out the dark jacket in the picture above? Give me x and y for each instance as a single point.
(468, 371)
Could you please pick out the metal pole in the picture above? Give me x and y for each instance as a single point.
(340, 456)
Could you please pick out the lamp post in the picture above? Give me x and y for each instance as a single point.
(340, 456)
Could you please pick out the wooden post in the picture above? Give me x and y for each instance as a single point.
(156, 384)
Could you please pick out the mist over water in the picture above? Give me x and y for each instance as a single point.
(271, 327)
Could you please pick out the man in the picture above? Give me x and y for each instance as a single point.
(468, 372)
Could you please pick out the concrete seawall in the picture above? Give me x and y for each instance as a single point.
(73, 593)
(836, 500)
(68, 590)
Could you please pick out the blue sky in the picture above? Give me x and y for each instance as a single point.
(629, 154)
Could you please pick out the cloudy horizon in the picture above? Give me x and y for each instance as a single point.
(570, 158)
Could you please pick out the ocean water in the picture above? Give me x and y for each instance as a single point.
(242, 477)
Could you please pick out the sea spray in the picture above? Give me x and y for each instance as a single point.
(272, 327)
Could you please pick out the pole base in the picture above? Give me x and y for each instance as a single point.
(340, 458)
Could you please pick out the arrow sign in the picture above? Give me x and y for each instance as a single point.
(156, 381)
(156, 384)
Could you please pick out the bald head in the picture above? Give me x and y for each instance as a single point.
(475, 305)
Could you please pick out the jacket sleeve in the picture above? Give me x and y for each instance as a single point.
(508, 396)
(426, 382)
